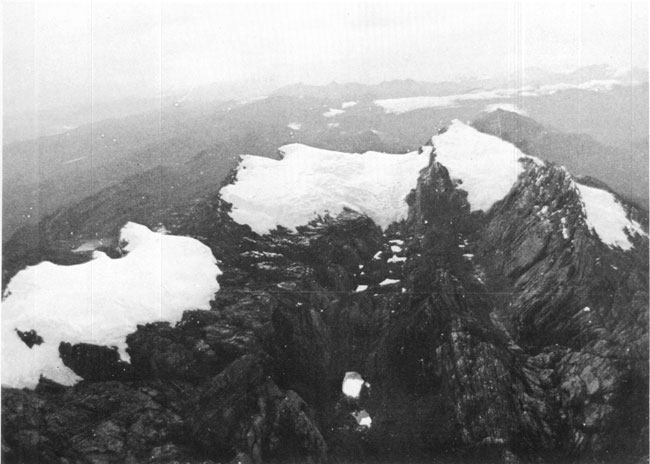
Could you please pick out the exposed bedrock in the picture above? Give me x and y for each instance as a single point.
(508, 336)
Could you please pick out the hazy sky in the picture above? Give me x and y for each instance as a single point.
(59, 52)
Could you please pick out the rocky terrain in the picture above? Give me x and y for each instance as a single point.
(513, 335)
(623, 170)
(196, 141)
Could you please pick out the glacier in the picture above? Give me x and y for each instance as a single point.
(486, 165)
(605, 215)
(310, 181)
(407, 104)
(307, 182)
(101, 301)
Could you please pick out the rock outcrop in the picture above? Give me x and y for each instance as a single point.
(508, 336)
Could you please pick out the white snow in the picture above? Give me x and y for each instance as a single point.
(606, 216)
(333, 112)
(395, 248)
(363, 418)
(101, 301)
(385, 282)
(294, 126)
(396, 241)
(506, 107)
(486, 165)
(262, 254)
(90, 245)
(403, 105)
(252, 100)
(352, 384)
(377, 255)
(361, 288)
(309, 181)
(348, 104)
(426, 150)
(593, 86)
(396, 259)
(565, 229)
(468, 256)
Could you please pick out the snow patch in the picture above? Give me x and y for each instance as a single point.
(294, 125)
(252, 100)
(396, 259)
(592, 86)
(385, 282)
(506, 107)
(348, 104)
(352, 384)
(565, 229)
(426, 150)
(404, 105)
(309, 181)
(361, 288)
(363, 418)
(333, 112)
(486, 165)
(261, 254)
(101, 301)
(605, 215)
(90, 245)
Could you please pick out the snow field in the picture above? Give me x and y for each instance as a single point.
(101, 301)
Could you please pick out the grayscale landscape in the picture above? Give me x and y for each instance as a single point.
(324, 232)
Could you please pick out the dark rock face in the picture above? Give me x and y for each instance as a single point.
(582, 304)
(94, 422)
(508, 336)
(30, 337)
(93, 362)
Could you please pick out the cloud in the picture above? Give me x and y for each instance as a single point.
(57, 53)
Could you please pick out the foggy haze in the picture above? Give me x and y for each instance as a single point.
(84, 53)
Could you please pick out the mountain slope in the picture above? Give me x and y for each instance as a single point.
(53, 172)
(624, 171)
(505, 327)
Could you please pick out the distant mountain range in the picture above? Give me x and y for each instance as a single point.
(625, 171)
(45, 174)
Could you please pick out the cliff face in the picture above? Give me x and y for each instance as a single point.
(611, 161)
(514, 335)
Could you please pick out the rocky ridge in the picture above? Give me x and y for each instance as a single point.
(514, 335)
